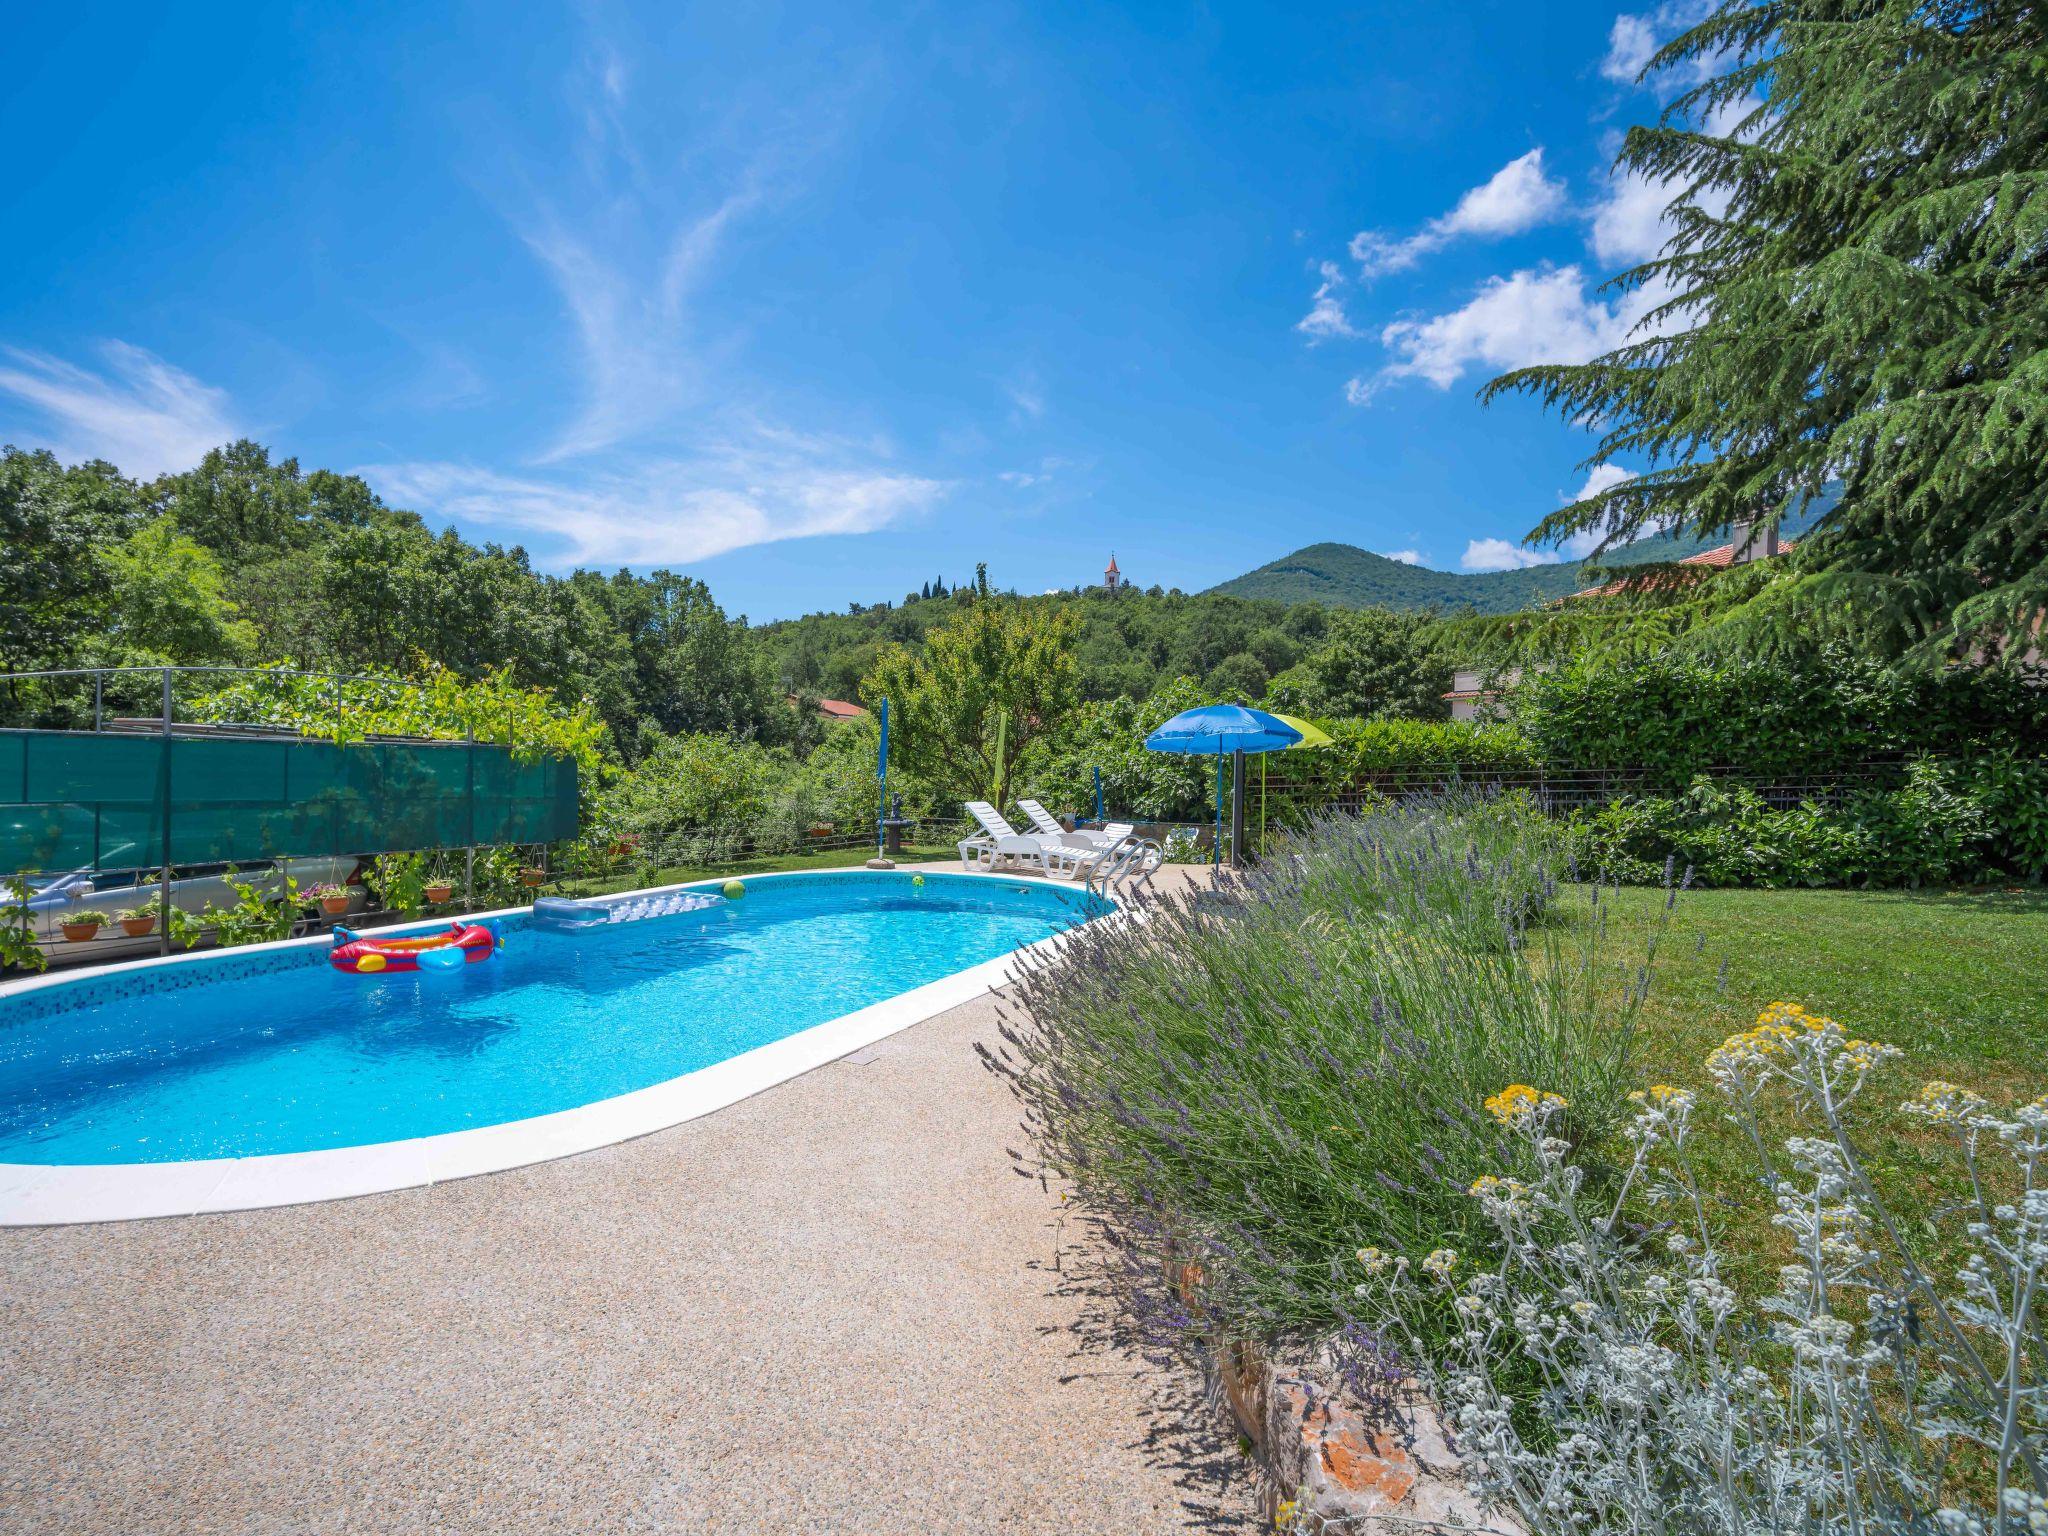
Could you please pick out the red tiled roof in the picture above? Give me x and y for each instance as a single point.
(831, 709)
(1112, 566)
(1720, 557)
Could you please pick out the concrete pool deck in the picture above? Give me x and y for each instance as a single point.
(831, 1307)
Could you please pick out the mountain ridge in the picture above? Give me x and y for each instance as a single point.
(1345, 576)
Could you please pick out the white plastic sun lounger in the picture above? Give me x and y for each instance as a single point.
(999, 843)
(1048, 826)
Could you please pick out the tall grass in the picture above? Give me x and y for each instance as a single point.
(1244, 1087)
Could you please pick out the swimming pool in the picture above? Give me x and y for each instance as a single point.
(258, 1056)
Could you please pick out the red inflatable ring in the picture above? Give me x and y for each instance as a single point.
(366, 957)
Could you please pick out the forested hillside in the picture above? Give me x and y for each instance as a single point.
(247, 559)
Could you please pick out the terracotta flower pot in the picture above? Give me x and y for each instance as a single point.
(138, 927)
(823, 831)
(439, 893)
(533, 877)
(334, 906)
(78, 933)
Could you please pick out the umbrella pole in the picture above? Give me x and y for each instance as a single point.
(1217, 851)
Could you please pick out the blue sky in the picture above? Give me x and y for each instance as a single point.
(815, 302)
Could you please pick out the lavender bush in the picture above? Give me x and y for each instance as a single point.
(1246, 1087)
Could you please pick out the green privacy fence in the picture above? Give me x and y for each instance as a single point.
(77, 800)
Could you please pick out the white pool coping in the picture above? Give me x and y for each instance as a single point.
(37, 1194)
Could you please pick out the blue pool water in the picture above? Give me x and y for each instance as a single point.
(279, 1052)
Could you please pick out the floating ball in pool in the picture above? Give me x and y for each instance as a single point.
(917, 879)
(447, 958)
(735, 889)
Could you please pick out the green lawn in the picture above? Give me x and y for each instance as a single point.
(1958, 980)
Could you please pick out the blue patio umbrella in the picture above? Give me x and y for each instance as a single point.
(1222, 729)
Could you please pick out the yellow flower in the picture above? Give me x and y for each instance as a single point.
(1660, 1096)
(1441, 1262)
(1944, 1103)
(1518, 1104)
(1504, 1189)
(1375, 1260)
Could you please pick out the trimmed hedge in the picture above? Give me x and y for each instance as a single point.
(1821, 712)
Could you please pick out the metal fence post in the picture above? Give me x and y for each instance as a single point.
(469, 810)
(163, 916)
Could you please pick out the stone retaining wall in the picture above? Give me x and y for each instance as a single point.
(1338, 1461)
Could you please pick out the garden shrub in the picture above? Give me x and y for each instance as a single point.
(1828, 709)
(1252, 1084)
(1943, 824)
(1361, 747)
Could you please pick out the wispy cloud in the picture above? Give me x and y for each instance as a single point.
(1026, 395)
(1517, 197)
(632, 318)
(1326, 317)
(661, 512)
(140, 413)
(669, 454)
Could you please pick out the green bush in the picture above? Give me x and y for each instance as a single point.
(1942, 825)
(1674, 715)
(1398, 746)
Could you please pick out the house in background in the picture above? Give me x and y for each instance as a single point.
(1752, 541)
(1473, 692)
(1473, 695)
(830, 709)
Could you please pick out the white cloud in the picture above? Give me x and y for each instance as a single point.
(1358, 391)
(1026, 394)
(1539, 315)
(1634, 39)
(666, 511)
(141, 414)
(1629, 223)
(1602, 477)
(1326, 317)
(1631, 43)
(1517, 197)
(1404, 556)
(1500, 555)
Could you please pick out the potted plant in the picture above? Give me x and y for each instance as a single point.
(83, 924)
(822, 829)
(137, 922)
(439, 888)
(533, 876)
(333, 899)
